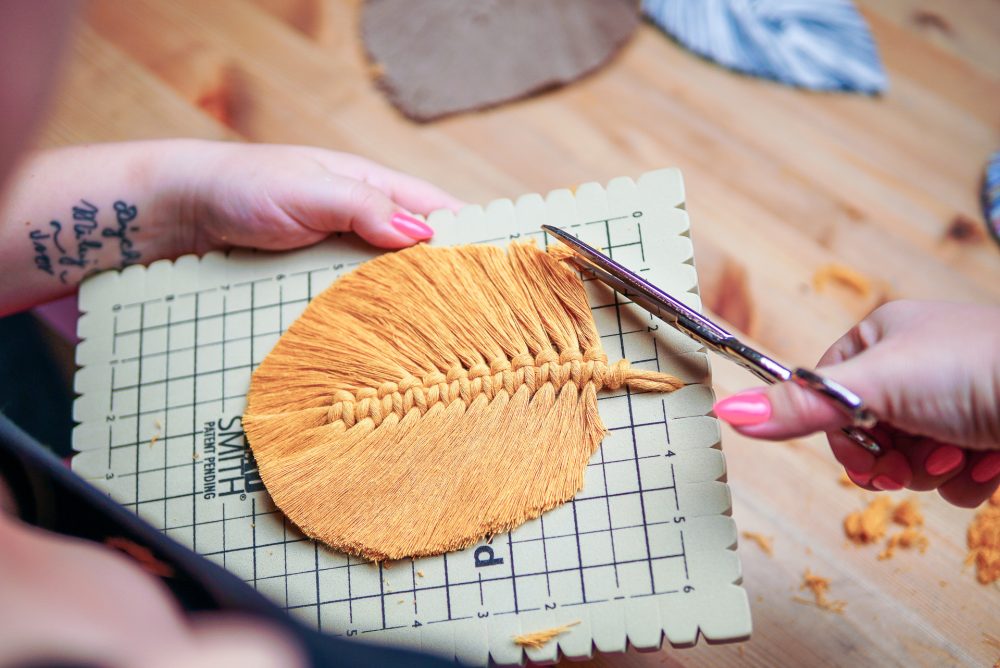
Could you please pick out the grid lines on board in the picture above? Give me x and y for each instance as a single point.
(229, 403)
(178, 366)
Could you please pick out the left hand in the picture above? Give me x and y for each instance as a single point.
(277, 197)
(74, 211)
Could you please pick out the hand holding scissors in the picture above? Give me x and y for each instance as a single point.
(930, 372)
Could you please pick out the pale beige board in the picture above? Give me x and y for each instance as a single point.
(646, 550)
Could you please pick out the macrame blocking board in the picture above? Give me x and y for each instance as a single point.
(645, 552)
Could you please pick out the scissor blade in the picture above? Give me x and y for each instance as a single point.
(700, 328)
(645, 294)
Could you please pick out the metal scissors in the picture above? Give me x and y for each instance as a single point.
(713, 337)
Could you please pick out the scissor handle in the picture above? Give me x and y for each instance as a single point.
(847, 401)
(772, 371)
(864, 439)
(861, 416)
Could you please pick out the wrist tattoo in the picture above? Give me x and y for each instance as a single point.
(71, 253)
(124, 215)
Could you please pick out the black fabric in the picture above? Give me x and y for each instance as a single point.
(33, 392)
(52, 497)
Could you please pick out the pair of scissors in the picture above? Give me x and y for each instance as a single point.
(671, 311)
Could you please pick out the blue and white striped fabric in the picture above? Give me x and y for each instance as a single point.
(991, 195)
(817, 44)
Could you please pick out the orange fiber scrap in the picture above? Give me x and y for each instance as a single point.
(908, 514)
(844, 275)
(983, 541)
(764, 542)
(432, 397)
(869, 525)
(906, 539)
(538, 639)
(819, 586)
(145, 558)
(872, 523)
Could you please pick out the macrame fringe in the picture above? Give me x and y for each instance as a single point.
(432, 397)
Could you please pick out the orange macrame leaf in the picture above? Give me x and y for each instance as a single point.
(432, 397)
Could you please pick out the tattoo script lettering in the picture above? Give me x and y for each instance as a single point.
(42, 260)
(74, 257)
(124, 215)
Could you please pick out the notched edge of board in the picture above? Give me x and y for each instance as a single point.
(617, 626)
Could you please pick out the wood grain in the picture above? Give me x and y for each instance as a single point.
(779, 183)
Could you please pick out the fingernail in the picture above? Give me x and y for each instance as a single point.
(859, 479)
(943, 460)
(885, 483)
(411, 227)
(986, 468)
(745, 408)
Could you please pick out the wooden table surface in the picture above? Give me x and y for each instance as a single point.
(779, 183)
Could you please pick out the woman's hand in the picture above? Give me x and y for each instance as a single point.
(280, 197)
(74, 211)
(72, 602)
(931, 372)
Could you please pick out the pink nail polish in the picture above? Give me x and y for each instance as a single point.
(745, 408)
(944, 460)
(885, 483)
(859, 479)
(986, 468)
(411, 227)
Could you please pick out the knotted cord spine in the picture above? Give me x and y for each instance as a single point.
(501, 375)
